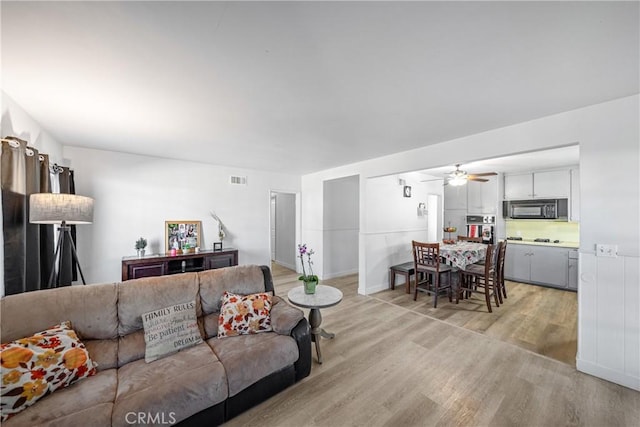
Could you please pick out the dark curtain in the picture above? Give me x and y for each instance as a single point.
(28, 248)
(47, 238)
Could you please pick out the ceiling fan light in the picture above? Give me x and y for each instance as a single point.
(457, 181)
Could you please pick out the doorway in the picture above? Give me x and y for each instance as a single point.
(283, 229)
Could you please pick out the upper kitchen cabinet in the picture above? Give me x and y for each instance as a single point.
(482, 197)
(518, 186)
(538, 185)
(455, 197)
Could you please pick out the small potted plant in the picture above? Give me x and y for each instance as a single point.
(185, 248)
(310, 280)
(141, 244)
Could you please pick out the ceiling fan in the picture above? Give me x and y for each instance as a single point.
(459, 177)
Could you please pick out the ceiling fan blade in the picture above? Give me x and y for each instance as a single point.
(472, 178)
(484, 174)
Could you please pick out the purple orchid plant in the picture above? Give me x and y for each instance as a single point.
(302, 251)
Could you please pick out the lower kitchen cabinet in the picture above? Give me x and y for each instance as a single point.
(543, 265)
(573, 269)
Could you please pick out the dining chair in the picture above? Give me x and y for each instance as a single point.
(481, 278)
(502, 253)
(428, 271)
(469, 239)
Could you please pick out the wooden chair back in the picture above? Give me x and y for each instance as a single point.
(426, 255)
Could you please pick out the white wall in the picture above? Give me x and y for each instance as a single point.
(341, 224)
(392, 222)
(16, 122)
(134, 195)
(609, 301)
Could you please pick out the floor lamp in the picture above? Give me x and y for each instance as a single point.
(63, 209)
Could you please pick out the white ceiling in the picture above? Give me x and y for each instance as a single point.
(305, 86)
(536, 160)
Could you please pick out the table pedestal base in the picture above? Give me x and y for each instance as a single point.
(315, 319)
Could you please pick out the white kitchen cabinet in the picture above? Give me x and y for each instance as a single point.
(573, 269)
(544, 265)
(538, 185)
(455, 197)
(550, 266)
(518, 186)
(482, 197)
(455, 218)
(551, 184)
(517, 263)
(574, 213)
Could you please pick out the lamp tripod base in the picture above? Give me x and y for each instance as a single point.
(54, 276)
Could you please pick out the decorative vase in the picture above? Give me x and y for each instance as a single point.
(310, 286)
(140, 253)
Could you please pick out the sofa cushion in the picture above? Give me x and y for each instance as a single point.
(210, 325)
(90, 399)
(174, 387)
(249, 358)
(131, 348)
(35, 366)
(243, 280)
(91, 309)
(169, 330)
(139, 296)
(103, 352)
(244, 314)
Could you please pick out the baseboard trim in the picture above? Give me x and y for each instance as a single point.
(608, 374)
(339, 274)
(374, 289)
(285, 265)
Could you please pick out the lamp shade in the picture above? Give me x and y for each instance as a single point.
(53, 208)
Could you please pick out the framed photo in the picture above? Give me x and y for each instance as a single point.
(181, 234)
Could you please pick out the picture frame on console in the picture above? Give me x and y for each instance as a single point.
(181, 234)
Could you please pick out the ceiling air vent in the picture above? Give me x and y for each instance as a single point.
(240, 180)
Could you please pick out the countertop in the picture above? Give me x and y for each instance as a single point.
(572, 245)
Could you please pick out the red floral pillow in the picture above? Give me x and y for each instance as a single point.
(35, 366)
(240, 315)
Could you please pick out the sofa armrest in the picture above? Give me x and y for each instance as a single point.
(289, 320)
(284, 317)
(302, 334)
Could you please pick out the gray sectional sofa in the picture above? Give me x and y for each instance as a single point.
(202, 385)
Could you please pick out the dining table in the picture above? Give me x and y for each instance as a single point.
(462, 253)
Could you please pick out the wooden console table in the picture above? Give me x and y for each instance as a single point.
(134, 267)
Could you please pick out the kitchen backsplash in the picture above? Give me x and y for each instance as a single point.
(554, 230)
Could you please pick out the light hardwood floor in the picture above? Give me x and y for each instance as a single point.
(394, 365)
(540, 319)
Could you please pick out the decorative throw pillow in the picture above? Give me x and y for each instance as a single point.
(249, 314)
(35, 366)
(169, 330)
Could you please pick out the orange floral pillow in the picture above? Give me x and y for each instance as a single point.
(240, 315)
(35, 366)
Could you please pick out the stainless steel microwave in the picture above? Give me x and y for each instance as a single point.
(536, 209)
